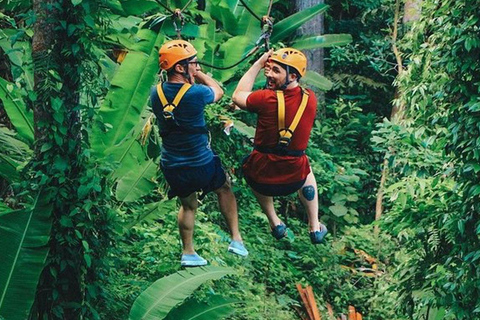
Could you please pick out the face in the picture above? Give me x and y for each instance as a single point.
(276, 75)
(193, 68)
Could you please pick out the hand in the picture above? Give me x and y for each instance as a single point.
(264, 58)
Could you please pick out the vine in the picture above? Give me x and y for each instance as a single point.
(70, 286)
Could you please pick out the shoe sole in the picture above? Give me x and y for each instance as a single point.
(239, 252)
(193, 264)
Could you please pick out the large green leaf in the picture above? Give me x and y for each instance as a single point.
(138, 7)
(137, 183)
(20, 56)
(127, 98)
(244, 129)
(233, 50)
(8, 168)
(328, 40)
(287, 26)
(13, 154)
(129, 154)
(24, 237)
(216, 308)
(314, 79)
(223, 14)
(16, 110)
(158, 299)
(248, 25)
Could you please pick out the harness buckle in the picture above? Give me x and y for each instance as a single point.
(168, 111)
(285, 137)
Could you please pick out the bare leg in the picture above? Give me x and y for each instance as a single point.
(186, 222)
(309, 198)
(266, 203)
(228, 207)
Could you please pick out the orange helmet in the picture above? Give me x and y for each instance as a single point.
(292, 58)
(174, 51)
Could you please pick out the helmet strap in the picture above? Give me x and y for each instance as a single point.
(287, 79)
(185, 73)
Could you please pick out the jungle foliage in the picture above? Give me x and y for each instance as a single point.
(88, 232)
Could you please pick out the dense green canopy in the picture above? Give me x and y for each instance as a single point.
(87, 230)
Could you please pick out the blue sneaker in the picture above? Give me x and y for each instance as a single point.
(317, 237)
(192, 260)
(237, 247)
(280, 231)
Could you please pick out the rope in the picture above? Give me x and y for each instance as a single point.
(188, 3)
(269, 8)
(178, 15)
(164, 6)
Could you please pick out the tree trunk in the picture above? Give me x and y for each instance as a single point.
(412, 13)
(58, 165)
(42, 44)
(315, 57)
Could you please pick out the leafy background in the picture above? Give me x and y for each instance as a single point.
(84, 217)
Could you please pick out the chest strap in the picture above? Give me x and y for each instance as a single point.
(169, 108)
(285, 134)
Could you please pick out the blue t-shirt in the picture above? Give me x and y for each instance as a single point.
(184, 149)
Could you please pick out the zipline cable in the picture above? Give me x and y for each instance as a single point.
(251, 11)
(165, 7)
(234, 65)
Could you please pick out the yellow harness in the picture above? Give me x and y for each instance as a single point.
(285, 134)
(168, 107)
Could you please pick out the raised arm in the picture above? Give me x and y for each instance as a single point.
(245, 85)
(210, 82)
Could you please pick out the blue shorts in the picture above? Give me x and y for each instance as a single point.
(275, 190)
(184, 181)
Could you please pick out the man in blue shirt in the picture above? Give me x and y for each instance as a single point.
(187, 161)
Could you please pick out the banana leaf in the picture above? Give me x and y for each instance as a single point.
(289, 25)
(208, 41)
(13, 155)
(164, 294)
(138, 7)
(128, 95)
(248, 25)
(20, 56)
(244, 129)
(215, 308)
(328, 40)
(4, 208)
(234, 49)
(129, 153)
(24, 237)
(16, 110)
(223, 14)
(8, 168)
(314, 79)
(137, 183)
